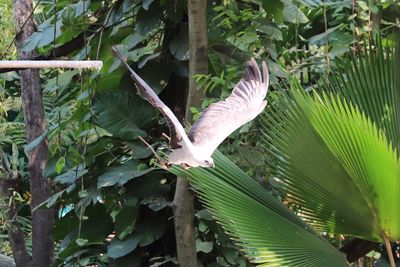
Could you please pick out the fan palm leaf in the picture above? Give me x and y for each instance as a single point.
(268, 233)
(336, 151)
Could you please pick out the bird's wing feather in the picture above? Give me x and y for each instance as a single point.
(220, 119)
(177, 133)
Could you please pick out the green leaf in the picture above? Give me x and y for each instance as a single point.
(139, 150)
(92, 230)
(125, 221)
(132, 259)
(117, 248)
(70, 176)
(270, 29)
(202, 246)
(150, 230)
(320, 39)
(291, 13)
(123, 114)
(277, 70)
(267, 232)
(148, 20)
(146, 4)
(205, 215)
(60, 164)
(81, 241)
(155, 203)
(132, 40)
(273, 7)
(179, 45)
(32, 145)
(148, 186)
(54, 198)
(253, 157)
(345, 170)
(121, 174)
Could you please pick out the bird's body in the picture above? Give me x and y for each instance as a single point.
(217, 121)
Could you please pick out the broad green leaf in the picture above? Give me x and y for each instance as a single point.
(267, 232)
(150, 230)
(92, 230)
(54, 198)
(139, 150)
(148, 20)
(291, 13)
(132, 259)
(125, 221)
(335, 153)
(179, 45)
(205, 215)
(121, 174)
(63, 78)
(273, 7)
(270, 29)
(202, 246)
(148, 186)
(32, 145)
(118, 248)
(123, 114)
(132, 40)
(31, 42)
(70, 176)
(320, 39)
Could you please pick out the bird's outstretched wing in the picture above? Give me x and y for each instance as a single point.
(177, 133)
(220, 119)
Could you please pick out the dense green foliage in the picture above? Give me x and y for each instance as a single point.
(352, 126)
(113, 201)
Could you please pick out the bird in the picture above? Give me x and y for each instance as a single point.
(216, 122)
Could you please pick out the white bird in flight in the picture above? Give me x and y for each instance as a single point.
(216, 122)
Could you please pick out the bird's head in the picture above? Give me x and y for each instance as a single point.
(208, 163)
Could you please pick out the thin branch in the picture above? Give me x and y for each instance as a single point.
(389, 250)
(39, 64)
(151, 148)
(326, 34)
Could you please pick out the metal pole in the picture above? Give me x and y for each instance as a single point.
(39, 64)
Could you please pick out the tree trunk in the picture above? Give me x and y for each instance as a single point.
(15, 233)
(183, 199)
(35, 123)
(198, 54)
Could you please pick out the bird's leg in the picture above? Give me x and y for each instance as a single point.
(166, 136)
(185, 166)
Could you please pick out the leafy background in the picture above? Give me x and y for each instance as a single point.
(114, 204)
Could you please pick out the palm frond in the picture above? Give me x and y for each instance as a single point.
(123, 114)
(336, 152)
(268, 233)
